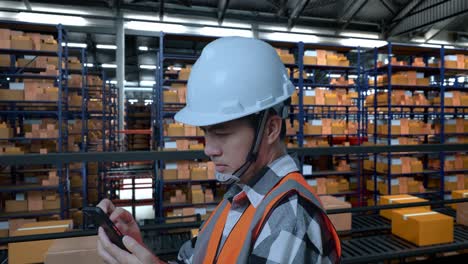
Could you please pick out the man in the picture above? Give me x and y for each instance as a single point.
(238, 92)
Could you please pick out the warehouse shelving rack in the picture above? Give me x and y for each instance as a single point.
(316, 75)
(430, 112)
(164, 110)
(106, 116)
(16, 111)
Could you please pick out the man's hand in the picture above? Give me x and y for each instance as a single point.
(122, 219)
(112, 254)
(132, 240)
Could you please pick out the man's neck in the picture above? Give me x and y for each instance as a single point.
(262, 161)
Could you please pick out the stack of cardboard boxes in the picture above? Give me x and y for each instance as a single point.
(418, 225)
(42, 129)
(403, 126)
(398, 185)
(285, 56)
(179, 197)
(329, 185)
(181, 130)
(5, 131)
(327, 126)
(319, 96)
(34, 201)
(402, 78)
(186, 170)
(40, 90)
(184, 73)
(456, 61)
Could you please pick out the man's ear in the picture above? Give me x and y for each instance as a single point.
(273, 128)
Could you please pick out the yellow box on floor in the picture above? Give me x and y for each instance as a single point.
(399, 199)
(35, 249)
(422, 227)
(458, 194)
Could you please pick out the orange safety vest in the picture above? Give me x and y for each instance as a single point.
(239, 243)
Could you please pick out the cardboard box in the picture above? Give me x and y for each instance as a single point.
(199, 174)
(422, 227)
(6, 132)
(287, 58)
(13, 206)
(36, 250)
(175, 130)
(400, 199)
(458, 194)
(22, 44)
(14, 224)
(35, 201)
(170, 174)
(75, 250)
(310, 60)
(342, 222)
(51, 205)
(198, 197)
(11, 95)
(462, 214)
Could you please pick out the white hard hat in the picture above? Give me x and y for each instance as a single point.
(234, 77)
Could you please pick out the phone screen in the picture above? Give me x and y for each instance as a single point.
(102, 219)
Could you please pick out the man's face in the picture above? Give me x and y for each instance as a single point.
(228, 144)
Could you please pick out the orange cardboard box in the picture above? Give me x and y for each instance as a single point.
(341, 222)
(462, 214)
(74, 250)
(422, 227)
(170, 174)
(458, 194)
(198, 174)
(399, 199)
(36, 250)
(310, 60)
(176, 130)
(287, 58)
(22, 44)
(13, 206)
(332, 187)
(35, 201)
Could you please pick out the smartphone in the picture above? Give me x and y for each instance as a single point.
(102, 219)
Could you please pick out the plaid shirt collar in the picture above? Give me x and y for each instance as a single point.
(265, 180)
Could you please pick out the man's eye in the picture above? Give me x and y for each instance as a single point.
(222, 133)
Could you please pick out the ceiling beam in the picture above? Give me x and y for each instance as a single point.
(428, 16)
(296, 12)
(389, 6)
(283, 7)
(439, 27)
(222, 7)
(27, 4)
(161, 9)
(403, 13)
(354, 8)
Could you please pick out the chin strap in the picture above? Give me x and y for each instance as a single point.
(251, 157)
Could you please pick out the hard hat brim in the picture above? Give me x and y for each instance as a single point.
(189, 117)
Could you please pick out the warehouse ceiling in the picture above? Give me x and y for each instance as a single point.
(421, 21)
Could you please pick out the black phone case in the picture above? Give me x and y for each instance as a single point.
(102, 219)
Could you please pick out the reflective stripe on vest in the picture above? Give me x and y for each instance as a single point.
(240, 241)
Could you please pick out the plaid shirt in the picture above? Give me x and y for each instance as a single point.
(293, 232)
